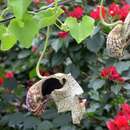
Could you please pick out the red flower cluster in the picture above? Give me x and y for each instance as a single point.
(124, 11)
(122, 120)
(9, 75)
(112, 74)
(114, 10)
(96, 13)
(120, 12)
(77, 12)
(62, 34)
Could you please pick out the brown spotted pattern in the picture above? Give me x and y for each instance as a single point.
(118, 39)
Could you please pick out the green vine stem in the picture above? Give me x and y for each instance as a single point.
(42, 54)
(103, 21)
(44, 49)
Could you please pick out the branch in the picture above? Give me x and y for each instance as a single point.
(33, 12)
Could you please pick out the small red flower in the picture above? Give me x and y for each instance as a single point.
(114, 9)
(124, 11)
(62, 34)
(105, 73)
(96, 13)
(111, 125)
(1, 81)
(121, 121)
(77, 12)
(125, 108)
(9, 75)
(111, 74)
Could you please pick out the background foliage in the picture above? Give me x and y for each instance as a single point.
(80, 52)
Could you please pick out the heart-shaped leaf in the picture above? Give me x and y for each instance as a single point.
(80, 30)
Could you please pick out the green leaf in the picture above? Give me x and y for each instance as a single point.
(31, 122)
(93, 107)
(115, 89)
(95, 43)
(10, 83)
(2, 30)
(45, 125)
(62, 120)
(19, 7)
(126, 86)
(8, 40)
(56, 44)
(96, 84)
(122, 66)
(94, 95)
(49, 16)
(50, 114)
(57, 59)
(80, 31)
(15, 118)
(25, 33)
(32, 73)
(19, 91)
(23, 54)
(68, 128)
(73, 69)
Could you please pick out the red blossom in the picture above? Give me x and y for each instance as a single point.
(124, 11)
(111, 74)
(124, 109)
(9, 75)
(96, 13)
(77, 12)
(1, 81)
(62, 34)
(105, 72)
(111, 125)
(121, 121)
(114, 9)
